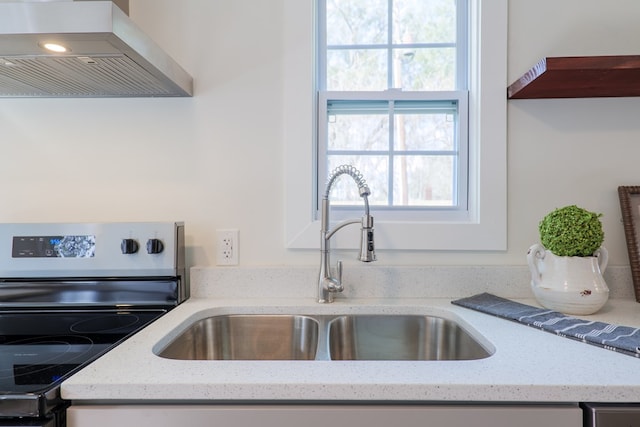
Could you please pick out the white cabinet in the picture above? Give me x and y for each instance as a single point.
(369, 415)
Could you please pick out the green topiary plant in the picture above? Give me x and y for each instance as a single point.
(571, 231)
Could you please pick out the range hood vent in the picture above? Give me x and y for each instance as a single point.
(107, 54)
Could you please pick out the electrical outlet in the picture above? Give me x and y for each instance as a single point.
(228, 248)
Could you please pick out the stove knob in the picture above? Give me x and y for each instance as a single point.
(129, 246)
(154, 246)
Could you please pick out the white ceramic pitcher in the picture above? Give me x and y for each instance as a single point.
(571, 285)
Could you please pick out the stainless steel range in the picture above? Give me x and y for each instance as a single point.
(71, 292)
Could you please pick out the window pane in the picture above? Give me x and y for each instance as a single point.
(424, 132)
(358, 132)
(363, 69)
(424, 21)
(425, 69)
(356, 22)
(424, 181)
(375, 170)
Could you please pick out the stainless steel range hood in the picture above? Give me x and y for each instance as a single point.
(107, 54)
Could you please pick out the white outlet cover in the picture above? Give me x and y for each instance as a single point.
(227, 244)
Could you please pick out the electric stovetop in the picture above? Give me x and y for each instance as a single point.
(39, 349)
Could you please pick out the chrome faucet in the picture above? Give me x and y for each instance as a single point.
(327, 283)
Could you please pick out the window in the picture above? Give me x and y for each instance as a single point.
(477, 224)
(392, 84)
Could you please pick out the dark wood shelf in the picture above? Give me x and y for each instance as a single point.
(579, 77)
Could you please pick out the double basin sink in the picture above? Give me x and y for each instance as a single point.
(324, 337)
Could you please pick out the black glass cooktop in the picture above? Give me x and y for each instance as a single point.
(40, 349)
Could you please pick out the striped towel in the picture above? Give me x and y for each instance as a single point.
(623, 339)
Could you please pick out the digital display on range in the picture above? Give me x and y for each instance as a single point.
(53, 247)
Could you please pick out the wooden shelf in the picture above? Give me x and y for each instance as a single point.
(579, 77)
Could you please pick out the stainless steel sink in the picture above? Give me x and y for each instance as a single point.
(324, 337)
(246, 337)
(404, 337)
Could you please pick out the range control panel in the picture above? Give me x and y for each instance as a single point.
(91, 249)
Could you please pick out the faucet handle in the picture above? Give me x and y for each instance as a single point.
(339, 272)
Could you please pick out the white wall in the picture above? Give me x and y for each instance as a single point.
(575, 150)
(216, 160)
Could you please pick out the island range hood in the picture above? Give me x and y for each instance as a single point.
(105, 53)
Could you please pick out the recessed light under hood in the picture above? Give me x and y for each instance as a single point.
(107, 54)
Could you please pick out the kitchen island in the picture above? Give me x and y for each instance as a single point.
(527, 366)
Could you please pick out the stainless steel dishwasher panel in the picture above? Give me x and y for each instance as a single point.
(611, 414)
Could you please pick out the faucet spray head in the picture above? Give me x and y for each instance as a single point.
(367, 246)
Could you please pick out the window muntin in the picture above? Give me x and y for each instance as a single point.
(393, 102)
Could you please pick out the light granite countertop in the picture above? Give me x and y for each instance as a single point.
(527, 365)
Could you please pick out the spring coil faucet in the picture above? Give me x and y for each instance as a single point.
(327, 284)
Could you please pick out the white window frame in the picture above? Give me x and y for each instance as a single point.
(458, 95)
(485, 228)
